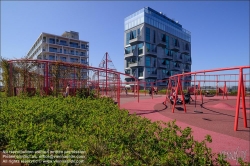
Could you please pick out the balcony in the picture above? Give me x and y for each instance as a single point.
(151, 52)
(136, 40)
(128, 55)
(135, 64)
(151, 75)
(185, 51)
(161, 43)
(188, 60)
(178, 57)
(176, 68)
(175, 48)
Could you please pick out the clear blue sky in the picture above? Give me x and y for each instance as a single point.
(219, 30)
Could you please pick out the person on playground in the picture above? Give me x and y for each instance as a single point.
(189, 95)
(67, 91)
(126, 90)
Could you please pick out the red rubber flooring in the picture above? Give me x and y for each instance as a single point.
(215, 117)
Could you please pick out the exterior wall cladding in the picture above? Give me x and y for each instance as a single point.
(156, 47)
(65, 48)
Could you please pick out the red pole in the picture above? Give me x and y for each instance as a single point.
(216, 85)
(238, 102)
(74, 81)
(134, 88)
(145, 88)
(10, 90)
(106, 72)
(118, 90)
(152, 90)
(47, 77)
(182, 96)
(243, 100)
(194, 87)
(138, 90)
(176, 91)
(98, 86)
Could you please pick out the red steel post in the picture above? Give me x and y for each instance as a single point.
(243, 100)
(98, 86)
(138, 90)
(182, 96)
(238, 102)
(118, 90)
(217, 85)
(106, 73)
(10, 79)
(176, 93)
(152, 90)
(47, 77)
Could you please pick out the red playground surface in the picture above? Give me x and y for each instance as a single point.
(215, 117)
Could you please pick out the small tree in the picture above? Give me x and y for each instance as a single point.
(5, 76)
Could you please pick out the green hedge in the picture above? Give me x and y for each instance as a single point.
(107, 134)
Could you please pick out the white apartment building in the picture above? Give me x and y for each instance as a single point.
(65, 48)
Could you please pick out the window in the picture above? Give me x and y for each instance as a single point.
(147, 47)
(133, 48)
(63, 42)
(65, 51)
(82, 54)
(176, 43)
(154, 48)
(154, 62)
(140, 48)
(154, 36)
(134, 72)
(127, 38)
(51, 40)
(127, 71)
(168, 52)
(147, 34)
(83, 61)
(51, 49)
(63, 59)
(167, 42)
(138, 32)
(163, 38)
(51, 57)
(83, 46)
(140, 72)
(72, 52)
(148, 63)
(74, 60)
(133, 34)
(127, 50)
(73, 44)
(187, 47)
(176, 65)
(76, 52)
(167, 64)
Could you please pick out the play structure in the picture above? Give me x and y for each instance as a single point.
(51, 78)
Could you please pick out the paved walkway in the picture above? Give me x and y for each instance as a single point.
(216, 119)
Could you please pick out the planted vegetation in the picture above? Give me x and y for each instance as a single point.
(107, 134)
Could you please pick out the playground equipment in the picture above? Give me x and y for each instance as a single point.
(28, 75)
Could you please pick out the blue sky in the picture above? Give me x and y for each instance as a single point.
(219, 30)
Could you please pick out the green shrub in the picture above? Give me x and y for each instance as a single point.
(108, 135)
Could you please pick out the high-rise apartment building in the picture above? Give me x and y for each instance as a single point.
(156, 47)
(65, 48)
